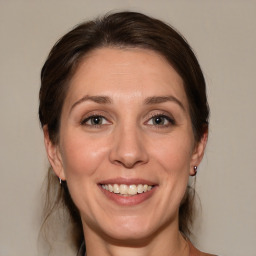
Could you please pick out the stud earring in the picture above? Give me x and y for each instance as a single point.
(195, 171)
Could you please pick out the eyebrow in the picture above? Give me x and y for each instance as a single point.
(97, 99)
(148, 101)
(163, 99)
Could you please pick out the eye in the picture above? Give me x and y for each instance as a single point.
(161, 120)
(95, 120)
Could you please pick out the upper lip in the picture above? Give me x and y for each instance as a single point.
(127, 181)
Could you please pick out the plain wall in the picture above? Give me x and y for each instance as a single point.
(222, 33)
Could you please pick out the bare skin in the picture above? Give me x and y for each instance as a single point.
(126, 121)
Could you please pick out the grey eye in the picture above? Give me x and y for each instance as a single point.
(96, 120)
(159, 120)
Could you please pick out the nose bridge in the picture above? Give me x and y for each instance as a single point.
(128, 145)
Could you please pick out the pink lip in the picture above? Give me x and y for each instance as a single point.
(128, 200)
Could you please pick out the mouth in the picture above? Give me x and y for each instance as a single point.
(127, 190)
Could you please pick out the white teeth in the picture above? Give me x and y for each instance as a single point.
(124, 189)
(132, 190)
(116, 189)
(110, 188)
(140, 188)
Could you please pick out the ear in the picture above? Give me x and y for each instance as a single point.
(198, 153)
(53, 155)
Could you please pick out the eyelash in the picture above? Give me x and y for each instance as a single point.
(89, 118)
(170, 121)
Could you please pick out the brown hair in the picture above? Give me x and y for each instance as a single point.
(122, 30)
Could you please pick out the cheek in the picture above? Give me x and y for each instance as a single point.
(174, 154)
(174, 158)
(82, 155)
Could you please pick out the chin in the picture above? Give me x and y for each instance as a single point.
(129, 232)
(128, 238)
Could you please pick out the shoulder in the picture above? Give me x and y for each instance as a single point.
(195, 252)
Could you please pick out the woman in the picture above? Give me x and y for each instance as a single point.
(125, 118)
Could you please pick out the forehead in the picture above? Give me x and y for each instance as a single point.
(125, 73)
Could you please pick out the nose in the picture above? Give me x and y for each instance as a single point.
(129, 148)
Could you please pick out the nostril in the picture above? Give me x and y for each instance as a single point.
(128, 149)
(131, 163)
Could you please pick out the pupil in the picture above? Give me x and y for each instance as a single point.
(96, 120)
(158, 120)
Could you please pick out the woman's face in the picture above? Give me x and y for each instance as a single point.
(126, 145)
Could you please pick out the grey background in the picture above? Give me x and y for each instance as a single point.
(222, 33)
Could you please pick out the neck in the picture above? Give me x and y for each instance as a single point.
(165, 243)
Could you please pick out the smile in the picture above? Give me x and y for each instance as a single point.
(127, 190)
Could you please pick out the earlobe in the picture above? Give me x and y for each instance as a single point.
(198, 153)
(53, 155)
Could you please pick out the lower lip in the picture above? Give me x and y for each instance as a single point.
(128, 200)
